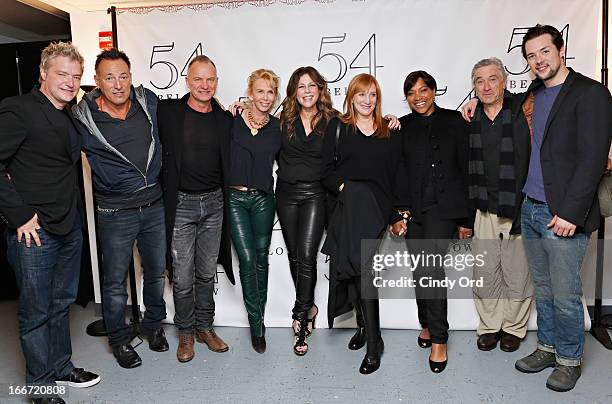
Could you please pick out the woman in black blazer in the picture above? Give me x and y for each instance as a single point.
(435, 156)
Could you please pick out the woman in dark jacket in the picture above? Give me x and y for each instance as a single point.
(254, 146)
(435, 155)
(360, 157)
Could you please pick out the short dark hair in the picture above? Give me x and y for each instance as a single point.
(413, 77)
(112, 54)
(539, 30)
(201, 59)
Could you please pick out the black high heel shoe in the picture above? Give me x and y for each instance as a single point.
(259, 344)
(300, 338)
(438, 367)
(371, 361)
(311, 320)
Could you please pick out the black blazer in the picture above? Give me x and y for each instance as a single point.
(450, 145)
(170, 120)
(41, 163)
(575, 148)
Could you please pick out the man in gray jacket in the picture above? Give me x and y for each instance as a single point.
(118, 125)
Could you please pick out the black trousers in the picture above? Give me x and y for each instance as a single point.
(429, 233)
(301, 211)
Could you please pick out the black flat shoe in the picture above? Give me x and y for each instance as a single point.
(126, 356)
(371, 361)
(259, 344)
(424, 343)
(157, 340)
(437, 367)
(358, 340)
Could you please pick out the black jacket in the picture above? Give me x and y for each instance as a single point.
(449, 150)
(356, 217)
(41, 163)
(171, 114)
(575, 148)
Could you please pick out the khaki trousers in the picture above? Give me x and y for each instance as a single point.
(504, 301)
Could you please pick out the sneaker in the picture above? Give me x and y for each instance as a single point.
(79, 378)
(536, 362)
(48, 400)
(563, 378)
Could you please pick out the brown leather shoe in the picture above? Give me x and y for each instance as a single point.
(210, 338)
(184, 352)
(488, 341)
(509, 342)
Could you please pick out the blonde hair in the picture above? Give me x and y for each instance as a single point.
(56, 49)
(362, 82)
(267, 75)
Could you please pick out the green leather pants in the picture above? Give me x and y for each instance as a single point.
(251, 221)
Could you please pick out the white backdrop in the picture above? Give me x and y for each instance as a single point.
(388, 38)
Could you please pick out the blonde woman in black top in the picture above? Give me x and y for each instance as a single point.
(254, 146)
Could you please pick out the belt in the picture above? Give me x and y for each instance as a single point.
(200, 193)
(140, 208)
(535, 201)
(245, 190)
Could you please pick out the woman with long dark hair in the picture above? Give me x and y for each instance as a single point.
(435, 154)
(254, 146)
(360, 160)
(300, 196)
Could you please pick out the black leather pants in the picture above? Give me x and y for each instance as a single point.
(301, 211)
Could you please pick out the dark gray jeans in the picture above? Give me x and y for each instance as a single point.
(195, 246)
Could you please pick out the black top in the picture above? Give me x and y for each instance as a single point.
(434, 152)
(492, 132)
(362, 158)
(252, 157)
(40, 151)
(130, 136)
(201, 162)
(300, 155)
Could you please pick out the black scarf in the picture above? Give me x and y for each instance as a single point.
(507, 179)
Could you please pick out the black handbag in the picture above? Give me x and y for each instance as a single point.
(331, 197)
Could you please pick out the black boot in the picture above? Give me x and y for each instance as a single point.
(376, 346)
(359, 339)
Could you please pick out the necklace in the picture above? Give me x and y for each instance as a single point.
(254, 124)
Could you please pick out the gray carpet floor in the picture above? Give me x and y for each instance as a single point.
(327, 374)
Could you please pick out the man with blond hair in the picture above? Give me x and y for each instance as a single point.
(39, 198)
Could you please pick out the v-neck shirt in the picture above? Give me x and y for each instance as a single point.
(300, 155)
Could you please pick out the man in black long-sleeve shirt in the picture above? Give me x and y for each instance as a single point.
(195, 133)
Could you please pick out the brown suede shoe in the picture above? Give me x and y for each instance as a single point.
(210, 338)
(184, 352)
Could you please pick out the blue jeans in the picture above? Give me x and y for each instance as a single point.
(195, 247)
(117, 231)
(48, 280)
(554, 263)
